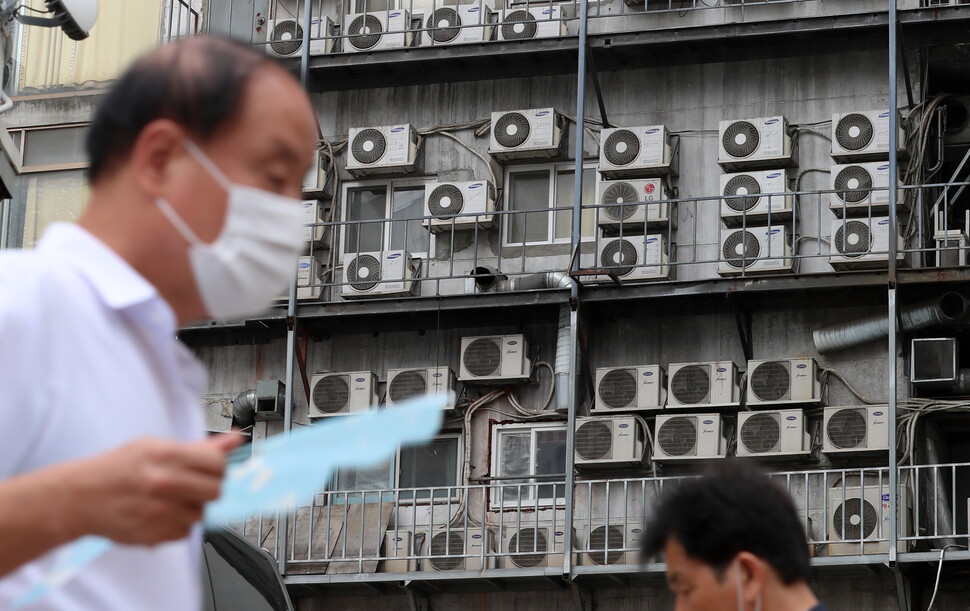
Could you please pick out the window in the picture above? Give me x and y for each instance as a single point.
(430, 465)
(385, 215)
(359, 480)
(534, 190)
(522, 452)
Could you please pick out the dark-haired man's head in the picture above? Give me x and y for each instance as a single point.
(732, 540)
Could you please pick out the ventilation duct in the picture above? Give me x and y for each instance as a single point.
(244, 408)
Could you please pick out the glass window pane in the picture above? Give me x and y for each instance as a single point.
(44, 147)
(431, 465)
(550, 459)
(374, 478)
(515, 458)
(365, 204)
(565, 187)
(409, 204)
(51, 197)
(16, 135)
(529, 191)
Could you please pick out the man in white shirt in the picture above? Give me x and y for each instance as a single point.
(197, 158)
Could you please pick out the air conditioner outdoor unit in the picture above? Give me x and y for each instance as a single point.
(285, 37)
(635, 214)
(761, 143)
(864, 136)
(688, 437)
(316, 182)
(743, 204)
(635, 151)
(610, 441)
(444, 200)
(629, 389)
(756, 250)
(862, 189)
(858, 515)
(453, 25)
(455, 549)
(779, 381)
(938, 3)
(538, 21)
(388, 273)
(398, 553)
(533, 546)
(377, 31)
(309, 279)
(404, 384)
(634, 259)
(862, 243)
(713, 384)
(526, 134)
(336, 394)
(855, 429)
(495, 359)
(608, 544)
(312, 219)
(773, 433)
(388, 149)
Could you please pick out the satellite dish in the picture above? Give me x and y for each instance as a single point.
(75, 17)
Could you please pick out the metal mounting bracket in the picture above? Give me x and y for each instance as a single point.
(582, 597)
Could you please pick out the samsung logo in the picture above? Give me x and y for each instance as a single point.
(652, 131)
(883, 115)
(360, 379)
(651, 240)
(801, 366)
(396, 130)
(883, 222)
(473, 9)
(394, 14)
(772, 231)
(394, 256)
(708, 422)
(542, 113)
(774, 175)
(511, 342)
(476, 185)
(771, 121)
(304, 265)
(721, 369)
(549, 11)
(791, 418)
(877, 413)
(883, 167)
(624, 426)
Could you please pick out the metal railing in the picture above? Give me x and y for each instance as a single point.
(181, 20)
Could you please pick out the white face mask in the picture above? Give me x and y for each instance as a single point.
(737, 572)
(255, 255)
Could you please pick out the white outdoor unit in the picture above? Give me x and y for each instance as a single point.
(454, 25)
(608, 544)
(284, 37)
(337, 394)
(610, 441)
(858, 515)
(388, 273)
(863, 136)
(377, 31)
(309, 279)
(495, 359)
(455, 549)
(713, 384)
(634, 259)
(405, 384)
(526, 134)
(633, 216)
(743, 204)
(760, 143)
(862, 243)
(529, 547)
(630, 389)
(316, 180)
(398, 554)
(312, 218)
(861, 189)
(538, 21)
(854, 429)
(688, 437)
(773, 433)
(756, 250)
(388, 149)
(780, 381)
(444, 200)
(635, 151)
(940, 3)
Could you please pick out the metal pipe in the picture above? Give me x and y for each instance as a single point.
(244, 408)
(544, 280)
(944, 310)
(893, 246)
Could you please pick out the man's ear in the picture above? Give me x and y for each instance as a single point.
(754, 573)
(158, 144)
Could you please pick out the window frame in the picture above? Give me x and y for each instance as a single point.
(35, 169)
(497, 500)
(552, 169)
(439, 500)
(389, 184)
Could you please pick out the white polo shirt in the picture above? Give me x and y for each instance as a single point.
(88, 362)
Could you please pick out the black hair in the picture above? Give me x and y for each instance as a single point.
(199, 83)
(733, 508)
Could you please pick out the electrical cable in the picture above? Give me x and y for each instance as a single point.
(939, 569)
(549, 395)
(823, 375)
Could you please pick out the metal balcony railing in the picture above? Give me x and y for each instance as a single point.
(182, 18)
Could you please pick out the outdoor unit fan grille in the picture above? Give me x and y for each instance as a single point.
(446, 551)
(445, 200)
(678, 436)
(619, 193)
(528, 540)
(287, 37)
(594, 440)
(512, 129)
(691, 384)
(741, 139)
(741, 248)
(760, 433)
(364, 31)
(407, 385)
(364, 272)
(854, 132)
(737, 192)
(852, 184)
(368, 146)
(855, 519)
(619, 256)
(519, 24)
(846, 428)
(599, 538)
(446, 24)
(618, 388)
(483, 357)
(331, 394)
(853, 239)
(770, 381)
(621, 147)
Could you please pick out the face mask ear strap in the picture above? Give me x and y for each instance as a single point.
(181, 226)
(206, 163)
